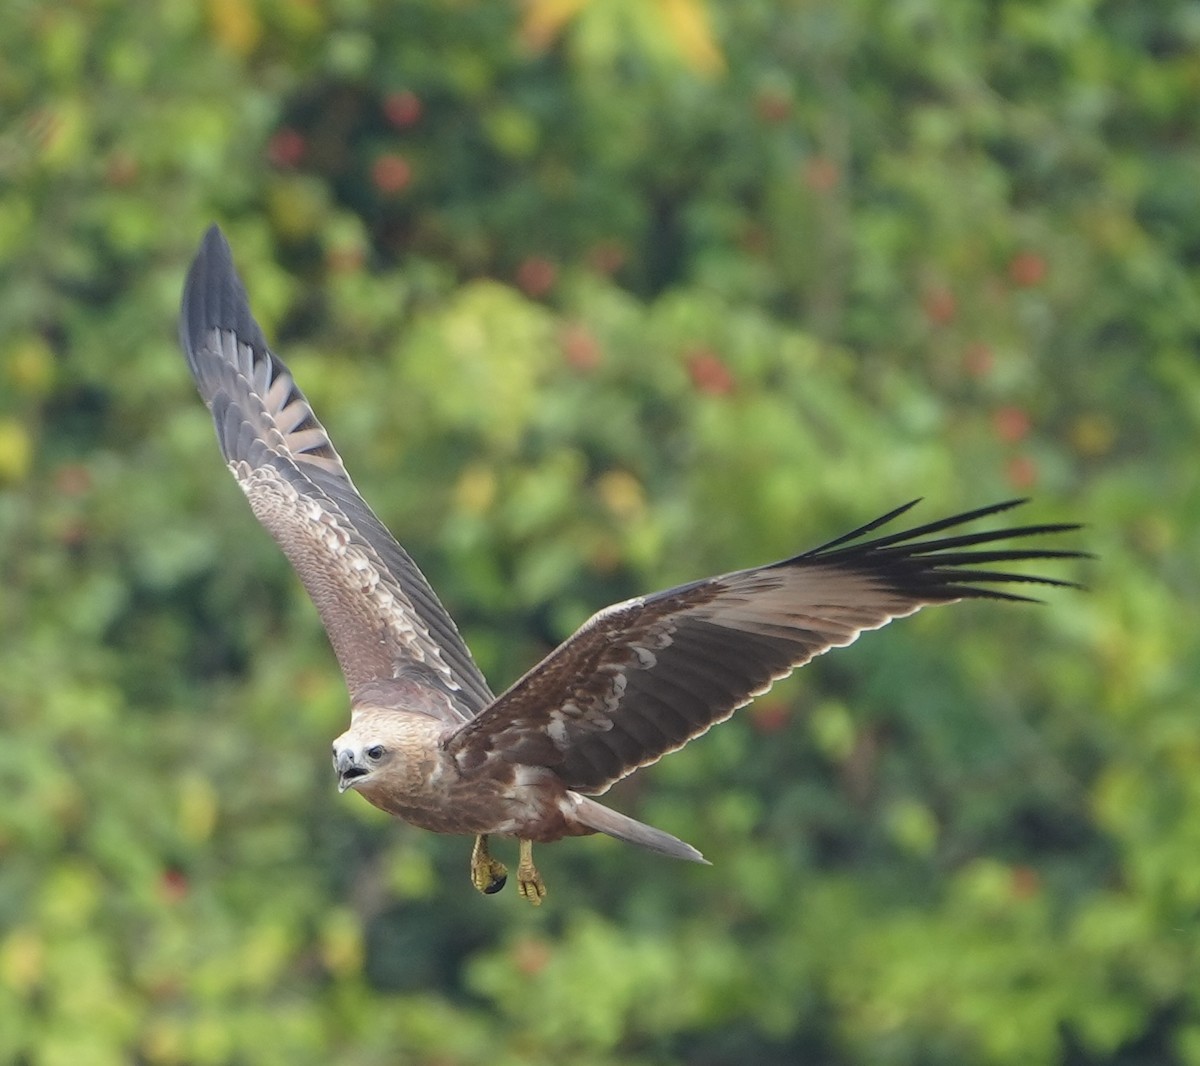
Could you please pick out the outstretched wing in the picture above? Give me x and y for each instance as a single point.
(379, 611)
(644, 677)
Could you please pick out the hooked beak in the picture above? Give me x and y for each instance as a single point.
(349, 772)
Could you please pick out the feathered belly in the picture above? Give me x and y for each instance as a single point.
(510, 802)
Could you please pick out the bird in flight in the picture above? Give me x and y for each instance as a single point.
(428, 741)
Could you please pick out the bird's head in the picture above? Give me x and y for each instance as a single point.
(358, 757)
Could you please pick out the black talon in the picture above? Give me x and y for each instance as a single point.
(495, 884)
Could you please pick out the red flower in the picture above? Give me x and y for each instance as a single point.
(391, 174)
(772, 106)
(709, 374)
(403, 109)
(821, 173)
(978, 360)
(1022, 472)
(287, 148)
(173, 884)
(1027, 269)
(769, 717)
(536, 276)
(1011, 424)
(581, 350)
(939, 305)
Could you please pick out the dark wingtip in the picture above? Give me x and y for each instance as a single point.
(861, 531)
(215, 298)
(937, 569)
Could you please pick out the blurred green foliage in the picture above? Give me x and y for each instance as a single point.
(595, 297)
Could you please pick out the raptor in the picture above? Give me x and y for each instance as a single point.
(428, 741)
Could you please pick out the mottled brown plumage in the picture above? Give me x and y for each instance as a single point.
(428, 742)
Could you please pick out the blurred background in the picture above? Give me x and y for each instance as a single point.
(597, 296)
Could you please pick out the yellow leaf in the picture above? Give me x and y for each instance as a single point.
(16, 451)
(197, 807)
(544, 20)
(692, 32)
(1093, 435)
(22, 960)
(29, 366)
(235, 24)
(163, 1041)
(342, 943)
(622, 494)
(476, 489)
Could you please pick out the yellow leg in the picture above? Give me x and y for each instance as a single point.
(487, 874)
(529, 881)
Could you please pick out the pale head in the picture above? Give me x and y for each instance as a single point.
(360, 754)
(386, 747)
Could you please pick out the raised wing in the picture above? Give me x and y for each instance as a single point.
(379, 611)
(644, 677)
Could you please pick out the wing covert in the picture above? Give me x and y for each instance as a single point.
(641, 679)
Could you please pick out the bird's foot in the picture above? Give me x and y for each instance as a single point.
(488, 875)
(529, 881)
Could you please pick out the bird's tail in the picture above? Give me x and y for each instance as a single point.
(593, 815)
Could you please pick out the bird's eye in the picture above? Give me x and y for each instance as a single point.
(375, 751)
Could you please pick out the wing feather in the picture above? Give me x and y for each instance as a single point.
(642, 678)
(382, 617)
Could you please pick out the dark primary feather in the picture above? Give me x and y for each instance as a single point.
(381, 615)
(644, 677)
